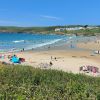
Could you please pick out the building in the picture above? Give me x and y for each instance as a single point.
(60, 29)
(73, 28)
(68, 29)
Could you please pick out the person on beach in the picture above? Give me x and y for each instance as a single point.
(48, 47)
(98, 52)
(71, 46)
(23, 49)
(84, 68)
(51, 57)
(55, 58)
(94, 70)
(51, 63)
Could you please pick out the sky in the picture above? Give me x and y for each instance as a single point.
(49, 12)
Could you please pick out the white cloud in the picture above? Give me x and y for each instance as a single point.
(50, 17)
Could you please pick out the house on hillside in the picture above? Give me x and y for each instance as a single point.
(68, 29)
(60, 29)
(73, 28)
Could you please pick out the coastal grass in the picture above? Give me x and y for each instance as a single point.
(28, 83)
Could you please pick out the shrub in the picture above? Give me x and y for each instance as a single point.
(25, 82)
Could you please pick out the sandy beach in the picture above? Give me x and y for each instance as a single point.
(68, 60)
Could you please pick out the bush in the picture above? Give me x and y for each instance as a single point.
(25, 82)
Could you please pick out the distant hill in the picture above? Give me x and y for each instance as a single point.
(51, 29)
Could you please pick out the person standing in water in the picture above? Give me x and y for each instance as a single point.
(23, 49)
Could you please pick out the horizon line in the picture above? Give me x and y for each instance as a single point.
(49, 25)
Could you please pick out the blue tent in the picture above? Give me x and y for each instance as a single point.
(14, 59)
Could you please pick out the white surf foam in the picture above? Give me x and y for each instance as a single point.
(43, 44)
(18, 41)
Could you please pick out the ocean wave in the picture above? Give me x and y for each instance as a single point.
(18, 41)
(43, 44)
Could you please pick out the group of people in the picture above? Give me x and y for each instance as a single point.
(2, 56)
(89, 69)
(52, 59)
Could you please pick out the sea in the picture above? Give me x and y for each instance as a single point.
(18, 41)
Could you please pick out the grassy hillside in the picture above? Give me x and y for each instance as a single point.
(51, 29)
(27, 83)
(27, 29)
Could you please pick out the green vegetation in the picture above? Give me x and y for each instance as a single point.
(51, 29)
(28, 29)
(27, 83)
(86, 32)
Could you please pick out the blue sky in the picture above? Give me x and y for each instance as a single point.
(49, 12)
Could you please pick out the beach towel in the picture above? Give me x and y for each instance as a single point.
(14, 59)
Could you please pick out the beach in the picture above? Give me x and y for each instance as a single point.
(62, 58)
(68, 61)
